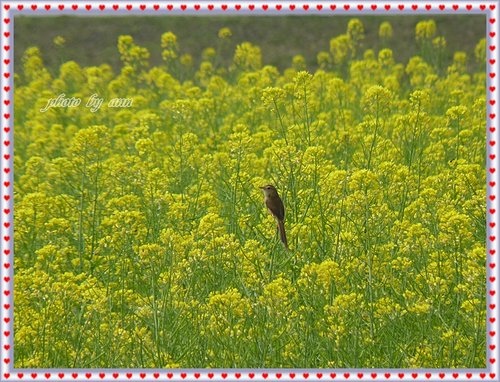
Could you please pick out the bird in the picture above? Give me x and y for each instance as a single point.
(276, 208)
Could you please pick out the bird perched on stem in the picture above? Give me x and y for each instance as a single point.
(276, 209)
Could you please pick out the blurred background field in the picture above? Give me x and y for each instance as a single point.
(92, 41)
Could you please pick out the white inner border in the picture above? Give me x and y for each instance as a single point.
(8, 11)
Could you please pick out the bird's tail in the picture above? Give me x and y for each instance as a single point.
(281, 228)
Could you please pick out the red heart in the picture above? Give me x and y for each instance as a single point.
(156, 7)
(278, 375)
(292, 7)
(333, 375)
(401, 7)
(347, 375)
(468, 375)
(88, 375)
(492, 265)
(251, 7)
(264, 375)
(492, 6)
(61, 7)
(224, 7)
(492, 21)
(441, 6)
(47, 7)
(156, 375)
(319, 375)
(292, 375)
(265, 7)
(197, 7)
(237, 7)
(333, 7)
(441, 375)
(306, 7)
(102, 375)
(224, 375)
(115, 7)
(129, 375)
(455, 7)
(482, 7)
(319, 7)
(387, 375)
(387, 7)
(360, 7)
(278, 7)
(360, 375)
(129, 7)
(469, 7)
(74, 7)
(237, 375)
(34, 6)
(88, 7)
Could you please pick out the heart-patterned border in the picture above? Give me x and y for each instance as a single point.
(10, 9)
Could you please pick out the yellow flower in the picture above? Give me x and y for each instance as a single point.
(225, 33)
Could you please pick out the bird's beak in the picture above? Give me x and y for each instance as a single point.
(262, 187)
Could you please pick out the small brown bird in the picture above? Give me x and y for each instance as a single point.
(276, 208)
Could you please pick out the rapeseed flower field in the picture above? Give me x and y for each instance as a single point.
(142, 240)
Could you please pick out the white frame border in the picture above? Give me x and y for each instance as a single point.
(9, 9)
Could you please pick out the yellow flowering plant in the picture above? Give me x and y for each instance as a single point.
(142, 239)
